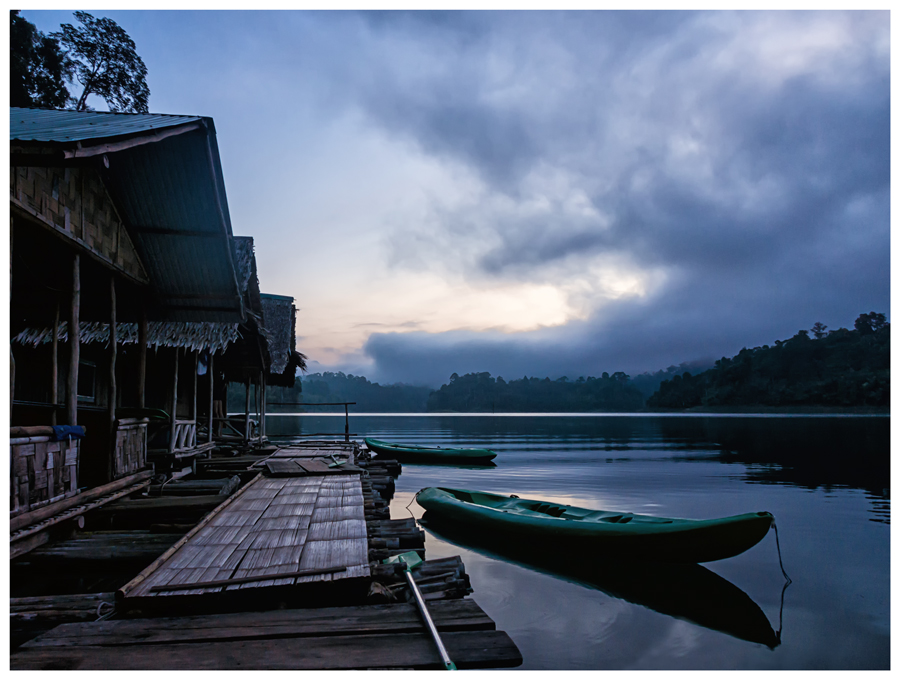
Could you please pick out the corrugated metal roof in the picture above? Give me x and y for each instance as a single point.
(169, 191)
(51, 125)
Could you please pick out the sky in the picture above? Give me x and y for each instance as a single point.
(542, 193)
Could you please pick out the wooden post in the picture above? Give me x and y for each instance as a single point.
(74, 343)
(12, 359)
(194, 405)
(142, 358)
(212, 385)
(247, 413)
(258, 391)
(262, 417)
(111, 394)
(54, 366)
(346, 423)
(174, 404)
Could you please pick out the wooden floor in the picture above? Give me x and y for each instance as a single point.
(373, 636)
(272, 526)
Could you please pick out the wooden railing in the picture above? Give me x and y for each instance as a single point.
(185, 436)
(345, 404)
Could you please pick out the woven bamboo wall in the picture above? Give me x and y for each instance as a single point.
(42, 471)
(131, 447)
(74, 202)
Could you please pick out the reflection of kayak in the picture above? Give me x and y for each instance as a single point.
(432, 454)
(686, 591)
(609, 535)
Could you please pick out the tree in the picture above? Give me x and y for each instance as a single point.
(106, 64)
(818, 330)
(38, 68)
(870, 323)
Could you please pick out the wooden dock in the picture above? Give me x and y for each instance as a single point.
(308, 527)
(285, 573)
(338, 638)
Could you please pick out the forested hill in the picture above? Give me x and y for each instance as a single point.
(480, 393)
(369, 397)
(838, 368)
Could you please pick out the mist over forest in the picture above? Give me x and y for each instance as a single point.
(838, 368)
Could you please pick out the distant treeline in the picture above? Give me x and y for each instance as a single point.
(334, 387)
(480, 393)
(832, 368)
(839, 368)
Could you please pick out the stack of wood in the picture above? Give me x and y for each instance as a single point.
(196, 487)
(394, 537)
(389, 466)
(31, 616)
(440, 579)
(375, 507)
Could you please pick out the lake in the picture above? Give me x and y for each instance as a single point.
(825, 478)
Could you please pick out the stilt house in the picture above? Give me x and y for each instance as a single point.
(120, 229)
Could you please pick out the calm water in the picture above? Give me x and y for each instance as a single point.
(826, 479)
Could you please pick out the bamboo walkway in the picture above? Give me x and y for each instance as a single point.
(299, 521)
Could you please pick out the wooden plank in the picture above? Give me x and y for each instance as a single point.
(36, 516)
(105, 546)
(284, 468)
(449, 615)
(478, 649)
(134, 584)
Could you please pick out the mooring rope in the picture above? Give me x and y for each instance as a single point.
(780, 563)
(107, 615)
(787, 582)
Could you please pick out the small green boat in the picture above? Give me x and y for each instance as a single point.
(597, 533)
(429, 454)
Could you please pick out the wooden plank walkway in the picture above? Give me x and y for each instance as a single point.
(372, 636)
(272, 526)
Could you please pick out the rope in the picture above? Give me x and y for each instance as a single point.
(780, 563)
(787, 582)
(107, 615)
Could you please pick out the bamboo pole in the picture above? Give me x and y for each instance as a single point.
(111, 393)
(262, 417)
(47, 511)
(212, 379)
(54, 365)
(247, 413)
(142, 358)
(74, 343)
(194, 405)
(174, 404)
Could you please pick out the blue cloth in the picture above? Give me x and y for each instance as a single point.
(61, 432)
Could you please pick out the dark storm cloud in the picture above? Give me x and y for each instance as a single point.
(745, 155)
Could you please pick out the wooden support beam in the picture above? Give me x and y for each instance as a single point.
(247, 412)
(111, 393)
(194, 405)
(174, 404)
(54, 365)
(212, 383)
(74, 343)
(142, 358)
(262, 415)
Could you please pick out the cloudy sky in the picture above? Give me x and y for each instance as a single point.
(543, 193)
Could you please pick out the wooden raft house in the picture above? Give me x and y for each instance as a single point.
(148, 530)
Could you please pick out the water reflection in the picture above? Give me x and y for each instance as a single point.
(803, 451)
(685, 591)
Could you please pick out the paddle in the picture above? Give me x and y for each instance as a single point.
(411, 560)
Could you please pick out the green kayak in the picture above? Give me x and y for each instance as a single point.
(601, 534)
(430, 454)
